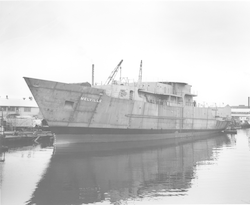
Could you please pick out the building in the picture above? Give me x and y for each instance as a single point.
(241, 113)
(22, 107)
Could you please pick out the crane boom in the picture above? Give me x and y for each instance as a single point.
(113, 73)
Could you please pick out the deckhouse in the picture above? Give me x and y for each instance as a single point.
(164, 93)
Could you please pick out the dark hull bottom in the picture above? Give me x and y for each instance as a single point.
(114, 148)
(66, 135)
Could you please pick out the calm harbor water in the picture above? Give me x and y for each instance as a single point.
(212, 170)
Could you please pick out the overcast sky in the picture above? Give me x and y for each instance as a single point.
(203, 43)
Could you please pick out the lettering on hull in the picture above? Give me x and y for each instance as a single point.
(90, 99)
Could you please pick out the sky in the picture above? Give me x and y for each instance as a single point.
(203, 43)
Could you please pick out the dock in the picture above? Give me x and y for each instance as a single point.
(16, 137)
(230, 131)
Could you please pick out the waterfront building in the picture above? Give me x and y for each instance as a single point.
(241, 113)
(19, 106)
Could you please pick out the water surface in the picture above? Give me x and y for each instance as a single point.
(212, 170)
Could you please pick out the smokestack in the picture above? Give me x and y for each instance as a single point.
(92, 74)
(249, 102)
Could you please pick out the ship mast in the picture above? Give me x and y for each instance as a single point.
(140, 75)
(113, 73)
(93, 74)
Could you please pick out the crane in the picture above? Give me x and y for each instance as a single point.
(113, 73)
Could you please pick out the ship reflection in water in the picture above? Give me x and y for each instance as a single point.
(163, 174)
(75, 178)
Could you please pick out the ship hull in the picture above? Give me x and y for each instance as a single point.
(78, 113)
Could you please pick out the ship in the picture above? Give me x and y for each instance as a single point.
(120, 111)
